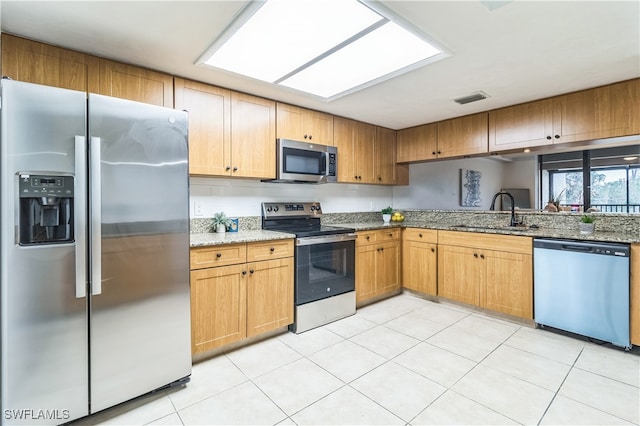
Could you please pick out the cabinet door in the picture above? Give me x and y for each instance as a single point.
(253, 137)
(290, 122)
(419, 262)
(509, 284)
(366, 257)
(39, 63)
(385, 156)
(460, 274)
(343, 132)
(320, 127)
(417, 143)
(634, 276)
(388, 267)
(602, 112)
(269, 295)
(218, 307)
(209, 110)
(364, 136)
(463, 136)
(522, 126)
(129, 82)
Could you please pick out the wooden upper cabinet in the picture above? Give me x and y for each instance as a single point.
(129, 82)
(209, 110)
(417, 143)
(463, 136)
(253, 137)
(522, 126)
(603, 112)
(300, 124)
(33, 62)
(355, 143)
(385, 156)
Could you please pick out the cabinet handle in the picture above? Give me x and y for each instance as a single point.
(235, 169)
(557, 136)
(218, 255)
(420, 235)
(244, 272)
(380, 178)
(433, 153)
(482, 256)
(306, 136)
(433, 250)
(272, 249)
(390, 234)
(368, 237)
(475, 254)
(548, 138)
(310, 136)
(251, 271)
(439, 152)
(227, 168)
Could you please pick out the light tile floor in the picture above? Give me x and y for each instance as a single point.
(404, 361)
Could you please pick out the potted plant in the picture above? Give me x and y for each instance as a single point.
(220, 222)
(586, 224)
(386, 214)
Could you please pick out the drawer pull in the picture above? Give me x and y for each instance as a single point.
(390, 234)
(244, 272)
(420, 235)
(368, 238)
(218, 255)
(272, 249)
(251, 271)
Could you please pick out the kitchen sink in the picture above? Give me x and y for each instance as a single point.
(519, 228)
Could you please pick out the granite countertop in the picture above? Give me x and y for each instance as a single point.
(214, 239)
(570, 234)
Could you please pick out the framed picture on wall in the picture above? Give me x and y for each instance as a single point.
(470, 188)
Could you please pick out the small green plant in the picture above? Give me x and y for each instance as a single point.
(220, 219)
(587, 219)
(387, 210)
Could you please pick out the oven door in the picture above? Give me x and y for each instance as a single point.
(325, 267)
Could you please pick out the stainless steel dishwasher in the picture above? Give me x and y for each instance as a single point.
(583, 287)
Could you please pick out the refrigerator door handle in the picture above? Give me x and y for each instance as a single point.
(80, 216)
(96, 217)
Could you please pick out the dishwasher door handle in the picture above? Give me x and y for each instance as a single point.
(585, 249)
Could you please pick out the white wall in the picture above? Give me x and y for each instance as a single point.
(243, 197)
(436, 185)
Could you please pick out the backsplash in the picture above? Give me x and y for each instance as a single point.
(607, 222)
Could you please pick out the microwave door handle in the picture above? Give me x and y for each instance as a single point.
(325, 163)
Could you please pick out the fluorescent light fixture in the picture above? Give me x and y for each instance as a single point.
(324, 47)
(630, 158)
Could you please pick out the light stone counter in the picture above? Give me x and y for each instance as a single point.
(570, 234)
(214, 239)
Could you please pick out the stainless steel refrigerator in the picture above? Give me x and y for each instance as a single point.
(94, 252)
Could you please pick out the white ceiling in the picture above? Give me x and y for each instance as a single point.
(521, 51)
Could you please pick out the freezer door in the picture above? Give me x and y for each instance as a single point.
(139, 268)
(43, 313)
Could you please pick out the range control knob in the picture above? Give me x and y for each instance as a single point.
(276, 208)
(269, 208)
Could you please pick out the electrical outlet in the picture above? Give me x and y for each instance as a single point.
(197, 209)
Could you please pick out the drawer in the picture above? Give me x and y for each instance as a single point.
(365, 237)
(420, 235)
(269, 250)
(388, 234)
(222, 255)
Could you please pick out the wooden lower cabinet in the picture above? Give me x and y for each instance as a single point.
(635, 294)
(490, 271)
(419, 260)
(378, 267)
(241, 300)
(269, 295)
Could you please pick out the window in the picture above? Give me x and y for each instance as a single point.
(605, 179)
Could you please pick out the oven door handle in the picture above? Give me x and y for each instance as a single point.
(325, 239)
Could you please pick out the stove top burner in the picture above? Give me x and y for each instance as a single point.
(302, 219)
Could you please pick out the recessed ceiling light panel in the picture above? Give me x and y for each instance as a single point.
(324, 47)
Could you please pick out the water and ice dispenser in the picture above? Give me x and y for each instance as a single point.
(46, 209)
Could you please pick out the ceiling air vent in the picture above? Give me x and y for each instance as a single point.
(478, 96)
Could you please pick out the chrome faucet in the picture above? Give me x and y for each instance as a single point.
(513, 221)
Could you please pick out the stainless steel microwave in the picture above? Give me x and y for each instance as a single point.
(305, 162)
